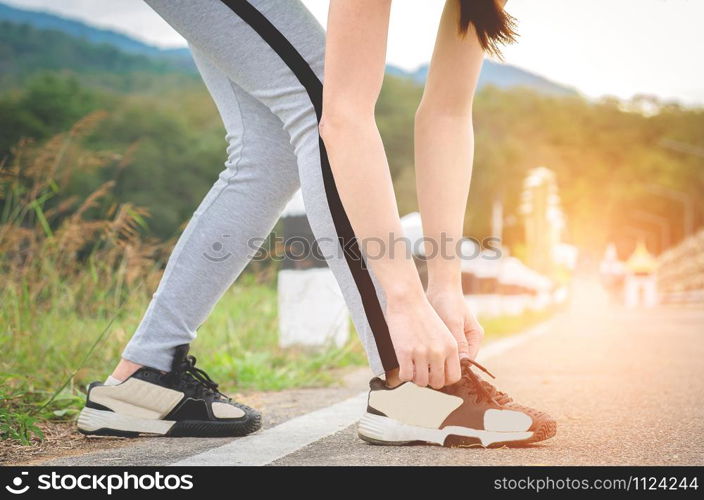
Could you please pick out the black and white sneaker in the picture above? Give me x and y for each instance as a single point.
(182, 402)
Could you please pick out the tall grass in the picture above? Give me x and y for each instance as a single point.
(76, 274)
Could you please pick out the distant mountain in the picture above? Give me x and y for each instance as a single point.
(498, 75)
(25, 50)
(78, 29)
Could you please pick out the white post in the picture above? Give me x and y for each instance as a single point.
(312, 311)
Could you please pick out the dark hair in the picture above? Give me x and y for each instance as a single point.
(494, 26)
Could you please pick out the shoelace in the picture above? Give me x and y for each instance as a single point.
(481, 388)
(196, 375)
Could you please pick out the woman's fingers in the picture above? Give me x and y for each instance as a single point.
(474, 333)
(421, 371)
(437, 368)
(453, 371)
(405, 367)
(458, 332)
(475, 342)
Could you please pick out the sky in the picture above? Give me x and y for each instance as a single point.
(600, 47)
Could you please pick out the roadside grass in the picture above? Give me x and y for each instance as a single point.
(502, 326)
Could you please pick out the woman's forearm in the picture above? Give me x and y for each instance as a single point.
(444, 146)
(354, 72)
(363, 180)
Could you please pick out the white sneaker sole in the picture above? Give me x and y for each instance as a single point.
(386, 431)
(90, 421)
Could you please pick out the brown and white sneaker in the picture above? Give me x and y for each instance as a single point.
(470, 412)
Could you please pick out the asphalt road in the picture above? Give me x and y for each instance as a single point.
(625, 387)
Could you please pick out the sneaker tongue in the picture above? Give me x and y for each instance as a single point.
(467, 383)
(500, 397)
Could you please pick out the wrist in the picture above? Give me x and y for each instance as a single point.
(438, 291)
(404, 295)
(442, 283)
(444, 269)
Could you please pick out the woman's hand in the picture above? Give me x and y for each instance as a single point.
(452, 308)
(425, 348)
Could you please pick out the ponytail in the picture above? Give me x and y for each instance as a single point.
(493, 25)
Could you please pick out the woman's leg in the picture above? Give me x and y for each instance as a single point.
(243, 205)
(273, 51)
(260, 176)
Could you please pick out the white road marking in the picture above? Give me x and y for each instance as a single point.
(271, 444)
(284, 439)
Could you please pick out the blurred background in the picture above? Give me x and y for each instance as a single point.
(588, 174)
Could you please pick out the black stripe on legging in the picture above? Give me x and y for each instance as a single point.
(307, 77)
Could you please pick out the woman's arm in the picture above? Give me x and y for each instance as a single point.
(444, 150)
(354, 71)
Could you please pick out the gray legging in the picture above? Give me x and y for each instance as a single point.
(262, 62)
